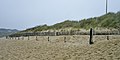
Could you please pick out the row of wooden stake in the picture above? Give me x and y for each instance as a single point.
(90, 39)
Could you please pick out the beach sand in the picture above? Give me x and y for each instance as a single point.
(75, 48)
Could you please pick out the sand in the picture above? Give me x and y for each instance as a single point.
(75, 48)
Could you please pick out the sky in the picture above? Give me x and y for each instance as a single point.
(23, 14)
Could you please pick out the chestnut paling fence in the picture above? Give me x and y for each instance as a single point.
(64, 33)
(21, 35)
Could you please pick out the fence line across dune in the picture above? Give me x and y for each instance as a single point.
(63, 33)
(72, 32)
(90, 38)
(72, 39)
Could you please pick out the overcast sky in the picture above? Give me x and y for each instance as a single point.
(22, 14)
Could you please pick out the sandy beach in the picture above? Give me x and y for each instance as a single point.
(75, 48)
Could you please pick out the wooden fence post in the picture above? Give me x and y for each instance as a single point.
(91, 36)
(64, 39)
(48, 38)
(108, 37)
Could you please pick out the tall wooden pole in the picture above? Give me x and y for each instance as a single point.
(91, 36)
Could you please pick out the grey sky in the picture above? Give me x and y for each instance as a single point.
(22, 14)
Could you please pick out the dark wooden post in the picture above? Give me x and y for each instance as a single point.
(48, 38)
(57, 33)
(107, 37)
(64, 39)
(91, 36)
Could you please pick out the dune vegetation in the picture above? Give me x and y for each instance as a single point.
(110, 20)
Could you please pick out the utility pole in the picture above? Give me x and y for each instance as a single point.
(106, 13)
(106, 6)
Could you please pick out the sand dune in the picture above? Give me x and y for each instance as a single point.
(75, 48)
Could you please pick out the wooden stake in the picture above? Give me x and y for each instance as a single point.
(91, 36)
(48, 38)
(64, 39)
(107, 37)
